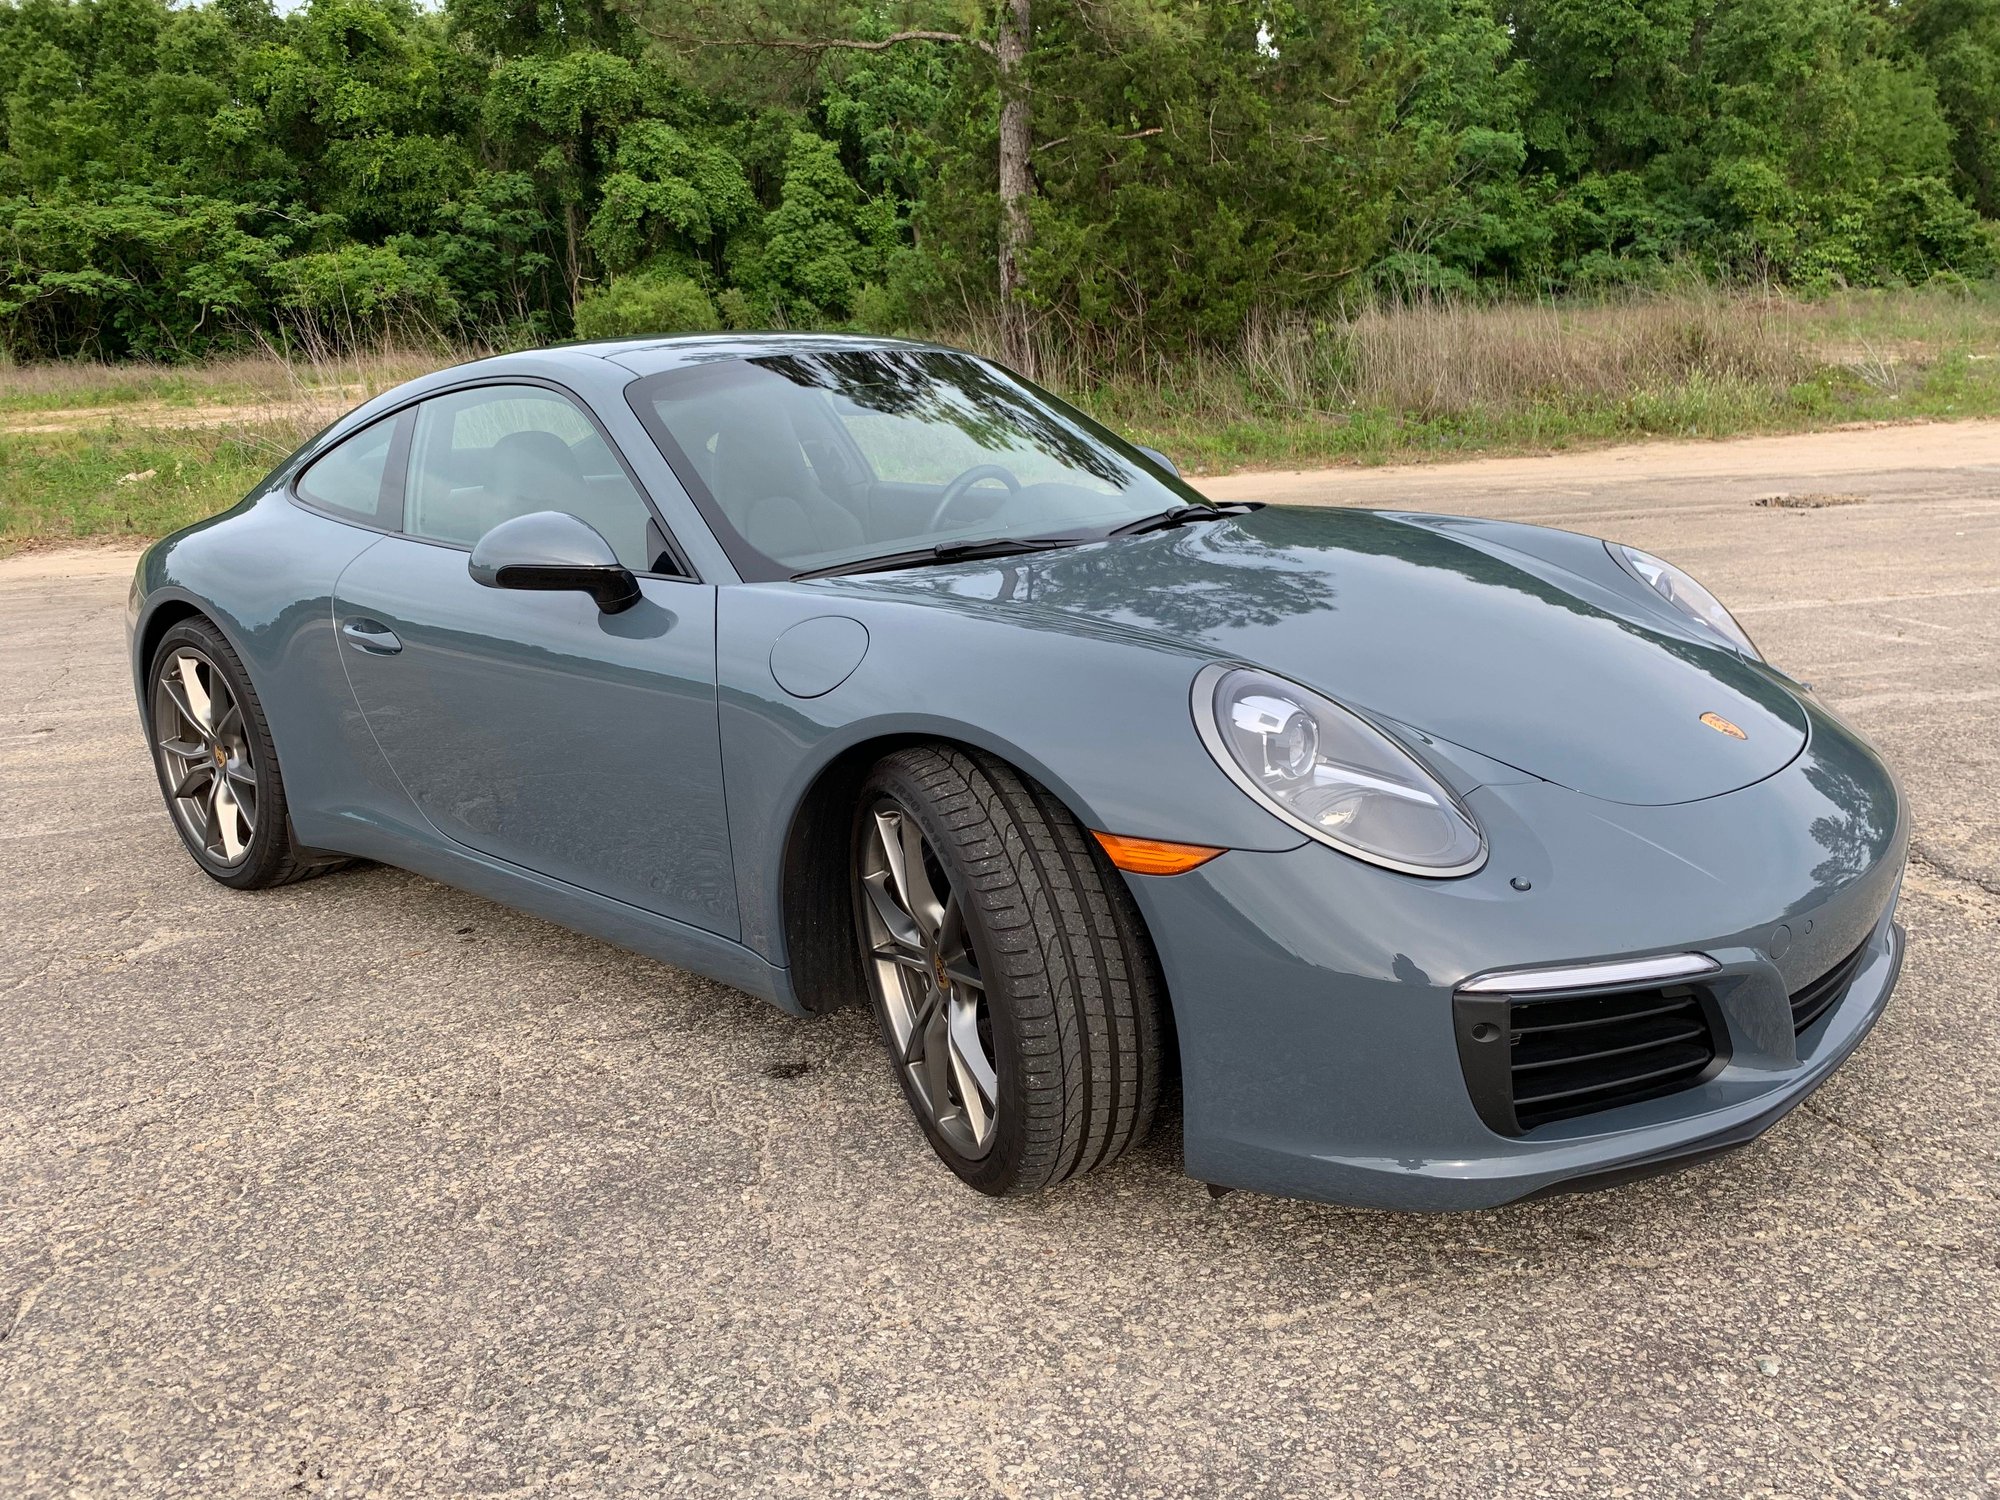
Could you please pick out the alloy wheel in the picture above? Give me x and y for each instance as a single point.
(205, 758)
(927, 979)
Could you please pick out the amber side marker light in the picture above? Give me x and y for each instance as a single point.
(1154, 856)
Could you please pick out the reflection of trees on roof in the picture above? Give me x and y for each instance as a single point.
(934, 385)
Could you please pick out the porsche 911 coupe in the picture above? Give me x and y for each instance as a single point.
(1437, 862)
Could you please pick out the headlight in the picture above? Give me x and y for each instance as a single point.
(1332, 775)
(1684, 594)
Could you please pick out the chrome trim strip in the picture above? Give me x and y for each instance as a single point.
(1633, 971)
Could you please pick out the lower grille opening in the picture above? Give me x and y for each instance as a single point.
(1532, 1061)
(1816, 999)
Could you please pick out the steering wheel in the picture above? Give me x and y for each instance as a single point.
(958, 488)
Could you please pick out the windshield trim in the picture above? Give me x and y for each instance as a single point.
(751, 564)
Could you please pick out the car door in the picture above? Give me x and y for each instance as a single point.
(530, 726)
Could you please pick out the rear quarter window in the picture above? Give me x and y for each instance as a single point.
(348, 479)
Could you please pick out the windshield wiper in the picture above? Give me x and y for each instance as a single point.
(1011, 546)
(1181, 515)
(998, 546)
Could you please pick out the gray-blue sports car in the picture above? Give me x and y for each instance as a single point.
(1436, 862)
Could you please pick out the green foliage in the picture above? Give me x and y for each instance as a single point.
(1959, 42)
(1207, 162)
(366, 286)
(669, 193)
(131, 271)
(181, 177)
(645, 304)
(1463, 211)
(819, 245)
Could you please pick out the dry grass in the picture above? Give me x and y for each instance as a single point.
(315, 378)
(1439, 359)
(1429, 358)
(1403, 380)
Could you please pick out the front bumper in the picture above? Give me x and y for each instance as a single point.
(1313, 994)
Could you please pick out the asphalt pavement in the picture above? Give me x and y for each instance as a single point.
(366, 1186)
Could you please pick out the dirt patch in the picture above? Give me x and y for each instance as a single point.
(1809, 500)
(325, 400)
(1700, 469)
(137, 414)
(39, 559)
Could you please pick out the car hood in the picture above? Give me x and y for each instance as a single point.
(1441, 630)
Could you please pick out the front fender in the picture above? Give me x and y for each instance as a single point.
(1101, 718)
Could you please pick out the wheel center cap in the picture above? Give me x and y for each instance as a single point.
(221, 756)
(938, 972)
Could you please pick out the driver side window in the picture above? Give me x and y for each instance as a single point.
(482, 456)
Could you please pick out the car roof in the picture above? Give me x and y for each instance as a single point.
(639, 357)
(650, 354)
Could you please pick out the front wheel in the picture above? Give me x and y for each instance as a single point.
(1015, 988)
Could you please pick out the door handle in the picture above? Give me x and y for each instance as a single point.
(371, 636)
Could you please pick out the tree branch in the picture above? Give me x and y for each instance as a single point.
(825, 43)
(1136, 135)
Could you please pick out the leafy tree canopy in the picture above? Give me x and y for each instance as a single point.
(176, 178)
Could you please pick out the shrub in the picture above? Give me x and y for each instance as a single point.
(645, 304)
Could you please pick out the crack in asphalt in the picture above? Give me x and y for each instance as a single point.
(1923, 854)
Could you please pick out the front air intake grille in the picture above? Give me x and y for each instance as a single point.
(1825, 992)
(1531, 1061)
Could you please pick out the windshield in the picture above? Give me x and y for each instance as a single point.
(810, 460)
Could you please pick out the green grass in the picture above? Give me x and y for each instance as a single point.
(76, 485)
(1389, 384)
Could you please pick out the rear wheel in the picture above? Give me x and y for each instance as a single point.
(1015, 989)
(218, 770)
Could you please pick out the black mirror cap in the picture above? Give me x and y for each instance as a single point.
(551, 550)
(1160, 458)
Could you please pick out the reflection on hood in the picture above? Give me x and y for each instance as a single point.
(1509, 656)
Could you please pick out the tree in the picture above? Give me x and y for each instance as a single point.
(1196, 165)
(814, 28)
(1959, 42)
(1123, 180)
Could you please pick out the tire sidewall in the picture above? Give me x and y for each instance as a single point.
(269, 842)
(995, 1172)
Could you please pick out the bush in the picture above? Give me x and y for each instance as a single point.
(365, 287)
(645, 304)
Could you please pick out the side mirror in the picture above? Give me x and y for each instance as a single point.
(1160, 458)
(553, 551)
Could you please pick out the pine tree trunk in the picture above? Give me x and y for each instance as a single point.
(1016, 141)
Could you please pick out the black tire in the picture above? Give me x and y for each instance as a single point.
(244, 763)
(1069, 992)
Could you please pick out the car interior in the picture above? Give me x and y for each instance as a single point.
(479, 458)
(805, 482)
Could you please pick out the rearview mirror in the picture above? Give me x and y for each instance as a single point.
(553, 551)
(1160, 458)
